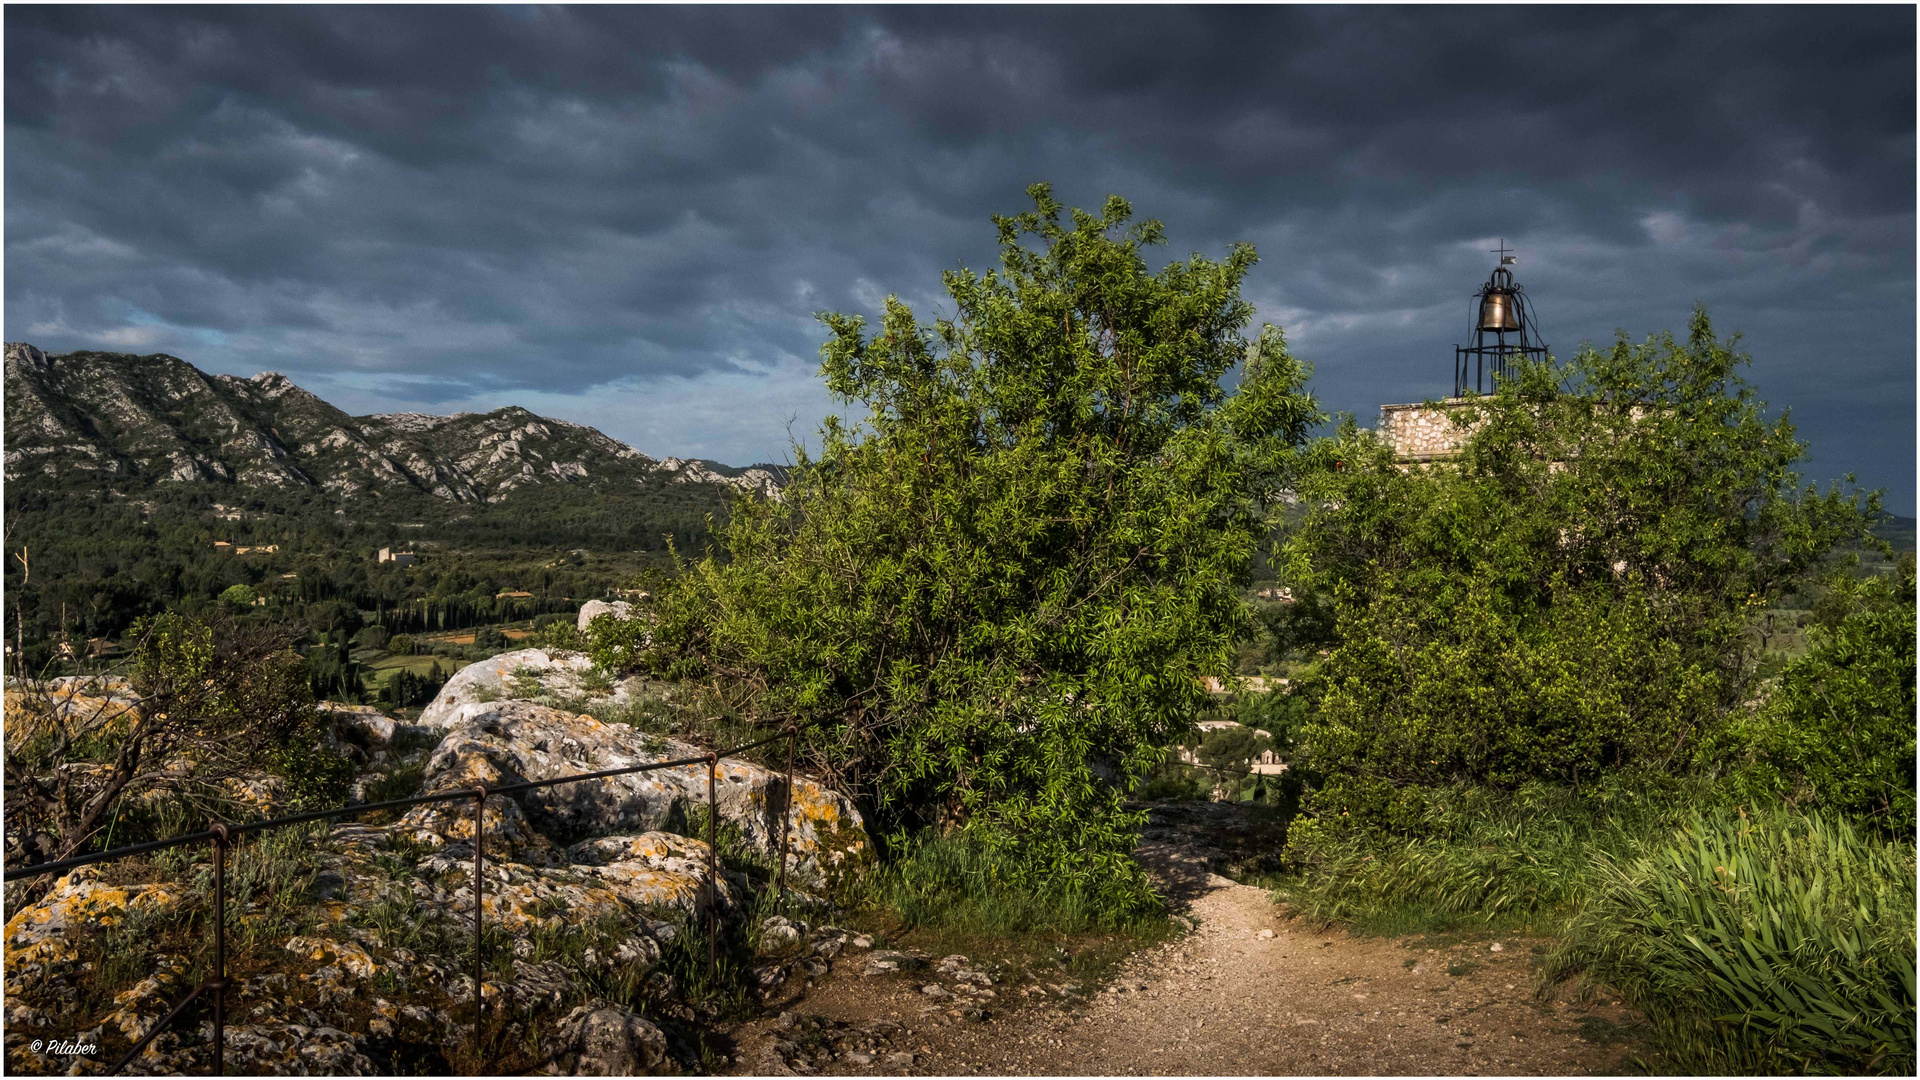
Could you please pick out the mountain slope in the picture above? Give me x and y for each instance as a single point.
(113, 422)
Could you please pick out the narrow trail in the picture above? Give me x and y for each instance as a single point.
(1251, 992)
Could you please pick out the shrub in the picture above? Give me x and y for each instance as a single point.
(1573, 593)
(1838, 730)
(1774, 943)
(998, 595)
(214, 700)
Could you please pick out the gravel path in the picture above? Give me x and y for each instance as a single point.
(1249, 992)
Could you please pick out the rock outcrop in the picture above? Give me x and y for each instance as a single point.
(367, 931)
(604, 1040)
(548, 676)
(509, 742)
(593, 609)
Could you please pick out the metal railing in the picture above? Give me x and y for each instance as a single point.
(222, 835)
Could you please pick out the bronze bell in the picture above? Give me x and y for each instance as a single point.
(1496, 311)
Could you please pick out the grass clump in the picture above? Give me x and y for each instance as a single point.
(950, 883)
(1776, 942)
(1440, 859)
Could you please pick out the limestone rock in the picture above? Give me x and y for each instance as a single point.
(593, 609)
(552, 677)
(509, 837)
(37, 936)
(363, 724)
(884, 961)
(491, 680)
(512, 741)
(603, 1040)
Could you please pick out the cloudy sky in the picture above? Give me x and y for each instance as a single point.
(628, 216)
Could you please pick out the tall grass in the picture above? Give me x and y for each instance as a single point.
(950, 884)
(1466, 856)
(1777, 942)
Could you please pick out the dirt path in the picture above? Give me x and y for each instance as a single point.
(1247, 992)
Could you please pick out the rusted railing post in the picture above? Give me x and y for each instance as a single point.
(713, 872)
(219, 983)
(479, 845)
(786, 815)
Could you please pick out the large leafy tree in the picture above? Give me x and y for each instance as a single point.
(1573, 593)
(997, 596)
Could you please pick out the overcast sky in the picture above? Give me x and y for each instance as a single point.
(628, 216)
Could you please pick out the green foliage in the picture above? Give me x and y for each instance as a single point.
(231, 697)
(490, 638)
(1838, 731)
(1572, 593)
(616, 644)
(407, 690)
(332, 674)
(1777, 943)
(1231, 749)
(954, 884)
(1437, 858)
(1000, 593)
(238, 597)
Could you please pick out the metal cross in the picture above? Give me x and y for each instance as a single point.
(1503, 250)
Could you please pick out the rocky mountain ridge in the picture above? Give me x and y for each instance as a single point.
(124, 423)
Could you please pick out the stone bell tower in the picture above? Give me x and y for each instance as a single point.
(1502, 329)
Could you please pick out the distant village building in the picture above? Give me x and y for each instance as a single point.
(398, 558)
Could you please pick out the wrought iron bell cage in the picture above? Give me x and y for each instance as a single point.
(1503, 331)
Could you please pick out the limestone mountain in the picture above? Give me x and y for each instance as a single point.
(114, 422)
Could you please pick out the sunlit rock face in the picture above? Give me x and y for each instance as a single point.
(509, 742)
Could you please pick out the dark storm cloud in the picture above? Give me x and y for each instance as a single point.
(580, 206)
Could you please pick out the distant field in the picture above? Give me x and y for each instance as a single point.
(385, 668)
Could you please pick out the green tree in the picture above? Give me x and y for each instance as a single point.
(1232, 750)
(238, 598)
(1572, 594)
(1838, 730)
(999, 594)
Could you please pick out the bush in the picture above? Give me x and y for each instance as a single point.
(1774, 943)
(372, 637)
(1573, 593)
(214, 700)
(489, 638)
(997, 596)
(1838, 731)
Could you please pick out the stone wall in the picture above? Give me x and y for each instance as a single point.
(1422, 432)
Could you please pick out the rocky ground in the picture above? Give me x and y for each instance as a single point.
(1247, 991)
(351, 950)
(350, 947)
